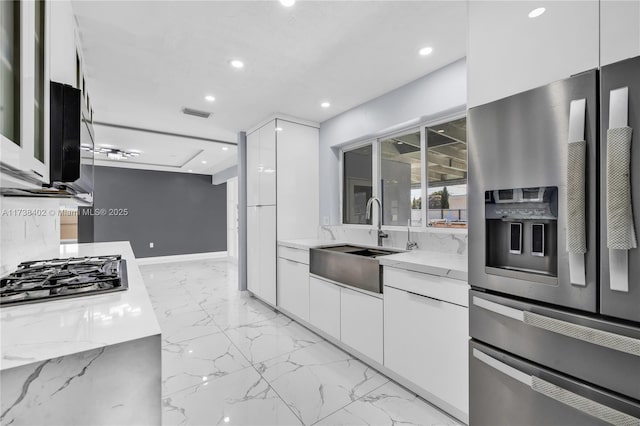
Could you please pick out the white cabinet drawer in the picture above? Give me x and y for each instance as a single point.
(324, 306)
(425, 341)
(297, 255)
(361, 323)
(447, 289)
(293, 287)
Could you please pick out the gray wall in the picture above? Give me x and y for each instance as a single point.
(180, 213)
(435, 96)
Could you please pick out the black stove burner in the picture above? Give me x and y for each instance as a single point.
(58, 278)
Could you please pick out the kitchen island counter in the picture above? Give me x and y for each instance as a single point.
(93, 359)
(40, 331)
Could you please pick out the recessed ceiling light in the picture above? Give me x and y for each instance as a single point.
(425, 51)
(441, 131)
(190, 170)
(287, 3)
(278, 129)
(237, 63)
(106, 145)
(210, 98)
(204, 162)
(325, 105)
(537, 12)
(400, 143)
(225, 148)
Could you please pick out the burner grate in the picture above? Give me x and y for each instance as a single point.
(59, 278)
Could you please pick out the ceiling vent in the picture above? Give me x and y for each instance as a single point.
(196, 112)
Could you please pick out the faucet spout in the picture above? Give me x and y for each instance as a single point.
(368, 210)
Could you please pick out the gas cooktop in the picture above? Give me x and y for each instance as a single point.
(43, 280)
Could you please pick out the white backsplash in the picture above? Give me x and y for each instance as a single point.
(437, 240)
(28, 227)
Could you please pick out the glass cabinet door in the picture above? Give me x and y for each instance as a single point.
(10, 70)
(39, 98)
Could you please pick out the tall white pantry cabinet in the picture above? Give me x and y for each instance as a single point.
(282, 196)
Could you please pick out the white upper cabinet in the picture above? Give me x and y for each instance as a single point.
(508, 52)
(261, 166)
(267, 166)
(24, 123)
(298, 180)
(619, 30)
(253, 160)
(64, 60)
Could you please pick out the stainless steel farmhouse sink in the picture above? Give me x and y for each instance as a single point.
(356, 266)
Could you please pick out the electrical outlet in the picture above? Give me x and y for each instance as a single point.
(325, 220)
(150, 245)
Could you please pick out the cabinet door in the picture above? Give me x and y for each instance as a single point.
(619, 30)
(324, 306)
(253, 170)
(253, 250)
(267, 166)
(267, 253)
(426, 342)
(27, 149)
(361, 323)
(508, 52)
(298, 181)
(293, 287)
(63, 43)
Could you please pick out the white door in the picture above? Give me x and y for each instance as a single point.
(232, 219)
(361, 323)
(293, 287)
(253, 250)
(253, 168)
(267, 164)
(298, 181)
(324, 306)
(425, 341)
(267, 253)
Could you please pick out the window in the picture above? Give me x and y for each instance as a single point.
(429, 163)
(401, 179)
(10, 70)
(447, 173)
(357, 184)
(39, 80)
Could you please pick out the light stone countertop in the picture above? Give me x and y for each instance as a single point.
(40, 331)
(448, 265)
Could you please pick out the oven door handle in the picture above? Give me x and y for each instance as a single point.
(560, 394)
(594, 336)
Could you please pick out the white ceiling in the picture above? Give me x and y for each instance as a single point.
(163, 152)
(147, 60)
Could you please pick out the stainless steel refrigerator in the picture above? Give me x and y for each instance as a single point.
(554, 268)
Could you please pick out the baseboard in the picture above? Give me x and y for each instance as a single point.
(181, 258)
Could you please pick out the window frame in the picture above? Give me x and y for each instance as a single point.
(374, 192)
(376, 143)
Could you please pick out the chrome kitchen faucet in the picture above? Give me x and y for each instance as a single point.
(369, 208)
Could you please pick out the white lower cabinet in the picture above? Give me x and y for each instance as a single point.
(293, 287)
(361, 323)
(425, 341)
(261, 252)
(324, 306)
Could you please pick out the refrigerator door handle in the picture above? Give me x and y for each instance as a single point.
(576, 193)
(594, 336)
(560, 394)
(620, 229)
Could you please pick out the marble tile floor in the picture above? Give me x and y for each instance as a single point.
(227, 358)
